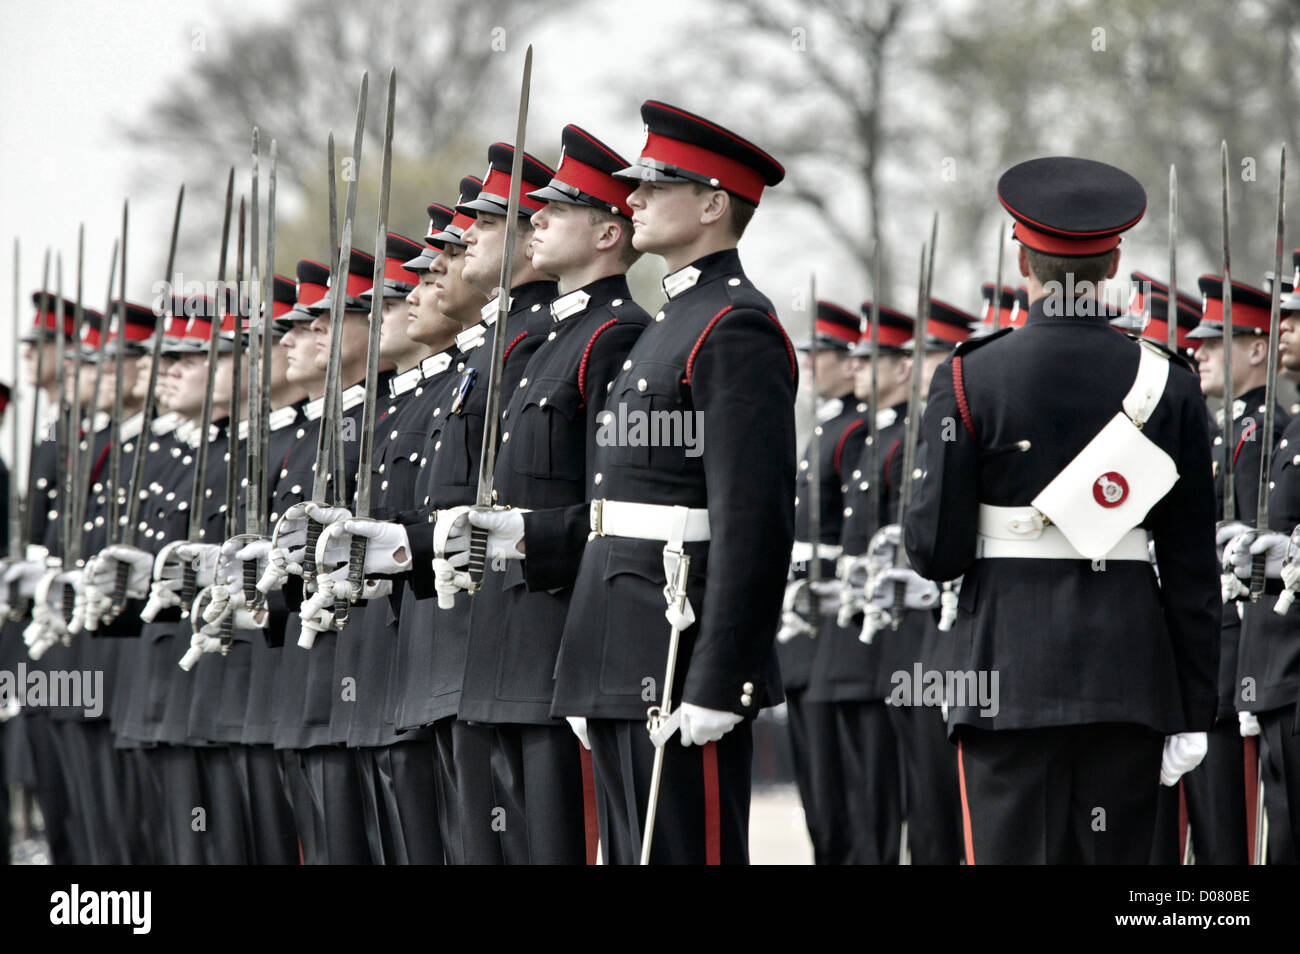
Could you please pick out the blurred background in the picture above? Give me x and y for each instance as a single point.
(883, 111)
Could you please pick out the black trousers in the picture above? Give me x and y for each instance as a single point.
(335, 786)
(63, 830)
(703, 812)
(1280, 752)
(1080, 794)
(297, 791)
(818, 774)
(1215, 792)
(873, 787)
(185, 830)
(142, 806)
(538, 794)
(272, 836)
(399, 790)
(227, 840)
(932, 798)
(466, 800)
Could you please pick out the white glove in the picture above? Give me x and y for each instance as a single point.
(700, 725)
(884, 543)
(387, 548)
(39, 634)
(101, 571)
(200, 643)
(579, 726)
(1183, 752)
(1268, 542)
(317, 615)
(335, 585)
(22, 576)
(50, 595)
(450, 578)
(226, 599)
(1247, 724)
(919, 593)
(1290, 583)
(505, 531)
(1225, 533)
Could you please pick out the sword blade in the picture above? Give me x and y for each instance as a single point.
(236, 384)
(814, 455)
(15, 498)
(1172, 311)
(996, 303)
(255, 346)
(78, 432)
(488, 457)
(1270, 381)
(873, 488)
(1229, 464)
(118, 498)
(60, 422)
(37, 386)
(262, 503)
(362, 505)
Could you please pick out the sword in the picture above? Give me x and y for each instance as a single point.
(1229, 464)
(188, 577)
(357, 555)
(487, 459)
(77, 431)
(1172, 314)
(1270, 384)
(80, 500)
(914, 398)
(21, 604)
(814, 473)
(61, 422)
(329, 443)
(150, 404)
(232, 443)
(16, 509)
(873, 485)
(118, 498)
(255, 348)
(996, 304)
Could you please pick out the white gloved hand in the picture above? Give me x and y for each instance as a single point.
(22, 576)
(1225, 533)
(203, 557)
(388, 550)
(1183, 752)
(226, 599)
(200, 643)
(884, 543)
(450, 578)
(317, 615)
(505, 531)
(289, 541)
(1270, 543)
(700, 725)
(101, 571)
(237, 551)
(39, 634)
(919, 593)
(337, 586)
(579, 726)
(1247, 724)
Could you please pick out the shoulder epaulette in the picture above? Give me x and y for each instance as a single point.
(970, 344)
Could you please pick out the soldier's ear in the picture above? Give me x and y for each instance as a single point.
(1114, 265)
(1023, 260)
(716, 208)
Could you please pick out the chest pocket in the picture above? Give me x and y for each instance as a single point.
(400, 460)
(454, 442)
(649, 423)
(547, 440)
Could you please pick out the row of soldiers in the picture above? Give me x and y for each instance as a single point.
(425, 713)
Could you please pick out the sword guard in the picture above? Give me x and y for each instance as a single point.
(356, 568)
(661, 727)
(478, 545)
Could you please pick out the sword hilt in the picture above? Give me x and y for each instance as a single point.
(69, 599)
(341, 610)
(478, 544)
(227, 632)
(118, 602)
(189, 583)
(1257, 577)
(356, 568)
(900, 605)
(309, 556)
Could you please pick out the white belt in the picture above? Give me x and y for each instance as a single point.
(802, 552)
(617, 518)
(1024, 533)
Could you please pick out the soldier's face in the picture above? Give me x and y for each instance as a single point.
(165, 386)
(564, 238)
(932, 361)
(835, 371)
(395, 344)
(279, 369)
(425, 321)
(666, 215)
(189, 382)
(1288, 340)
(484, 245)
(457, 298)
(1209, 363)
(140, 370)
(299, 349)
(355, 339)
(31, 357)
(223, 383)
(86, 383)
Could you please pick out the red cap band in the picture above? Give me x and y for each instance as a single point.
(731, 175)
(1056, 245)
(1243, 315)
(593, 182)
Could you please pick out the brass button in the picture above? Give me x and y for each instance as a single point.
(642, 385)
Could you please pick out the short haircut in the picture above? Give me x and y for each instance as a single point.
(1054, 268)
(627, 255)
(742, 210)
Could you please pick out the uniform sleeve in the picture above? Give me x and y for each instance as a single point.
(940, 525)
(744, 385)
(1182, 525)
(554, 539)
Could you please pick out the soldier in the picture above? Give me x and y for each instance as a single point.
(1061, 764)
(582, 237)
(698, 187)
(1148, 314)
(1006, 308)
(1268, 664)
(849, 671)
(840, 416)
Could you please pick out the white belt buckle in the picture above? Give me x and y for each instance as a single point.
(597, 517)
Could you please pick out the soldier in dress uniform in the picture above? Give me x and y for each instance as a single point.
(1005, 308)
(1064, 768)
(1148, 314)
(840, 416)
(852, 674)
(1268, 664)
(698, 187)
(1215, 792)
(582, 238)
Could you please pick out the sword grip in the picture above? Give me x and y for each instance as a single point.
(900, 605)
(309, 556)
(69, 601)
(120, 579)
(252, 594)
(1257, 577)
(189, 583)
(478, 544)
(22, 608)
(356, 567)
(341, 606)
(227, 632)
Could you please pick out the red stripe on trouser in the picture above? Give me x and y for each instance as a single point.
(965, 808)
(1250, 747)
(589, 824)
(1182, 821)
(712, 816)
